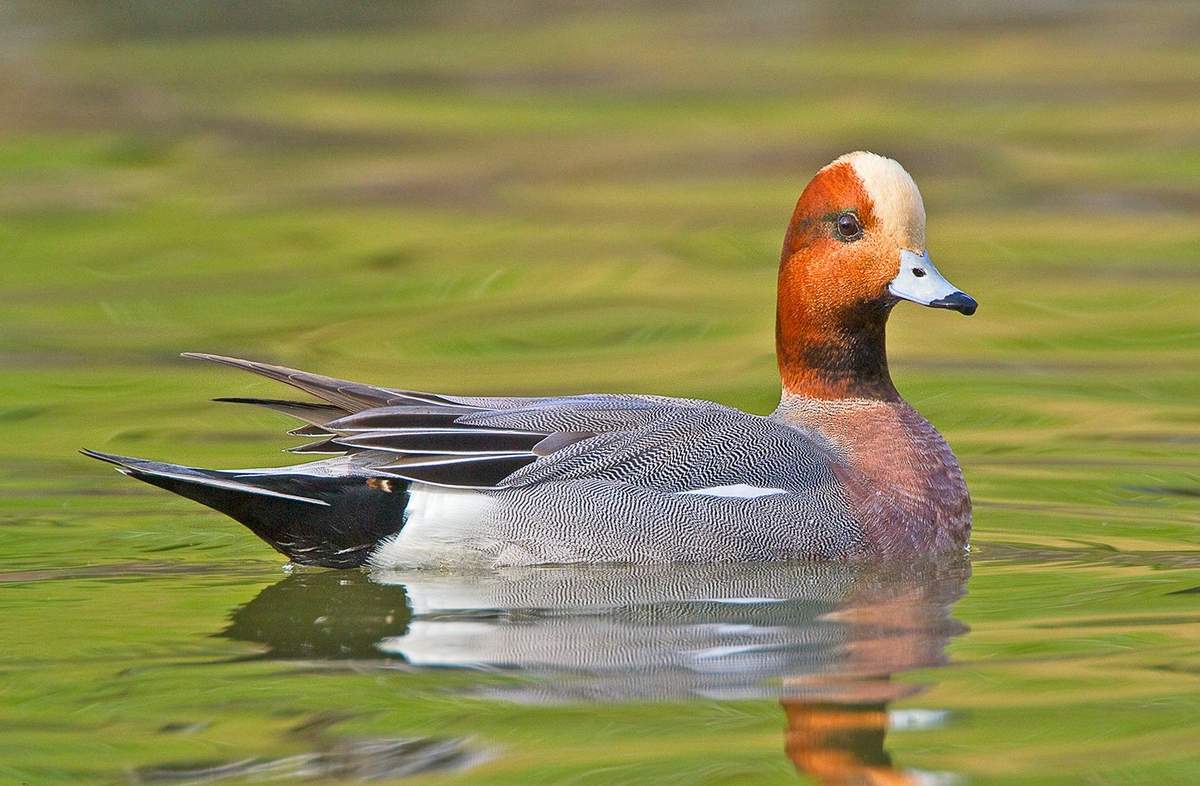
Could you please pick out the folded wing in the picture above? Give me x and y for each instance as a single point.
(455, 441)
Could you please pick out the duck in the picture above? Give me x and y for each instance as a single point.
(843, 469)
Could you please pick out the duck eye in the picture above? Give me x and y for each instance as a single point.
(848, 227)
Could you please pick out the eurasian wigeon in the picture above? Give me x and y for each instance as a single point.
(843, 469)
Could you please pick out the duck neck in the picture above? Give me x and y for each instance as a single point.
(831, 354)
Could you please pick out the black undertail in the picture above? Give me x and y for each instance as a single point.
(332, 522)
(336, 511)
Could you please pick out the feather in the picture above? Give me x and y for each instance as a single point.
(486, 471)
(313, 513)
(446, 441)
(558, 441)
(310, 431)
(351, 396)
(310, 412)
(416, 416)
(209, 478)
(320, 446)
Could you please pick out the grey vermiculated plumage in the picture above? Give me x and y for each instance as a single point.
(626, 484)
(612, 488)
(607, 521)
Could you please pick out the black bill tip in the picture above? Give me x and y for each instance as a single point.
(957, 301)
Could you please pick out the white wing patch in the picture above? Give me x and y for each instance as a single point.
(737, 491)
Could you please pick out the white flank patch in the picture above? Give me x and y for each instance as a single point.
(442, 526)
(898, 204)
(737, 491)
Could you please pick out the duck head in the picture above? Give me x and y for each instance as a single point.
(855, 247)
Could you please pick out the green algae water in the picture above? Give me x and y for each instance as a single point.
(551, 198)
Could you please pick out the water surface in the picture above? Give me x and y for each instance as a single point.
(563, 199)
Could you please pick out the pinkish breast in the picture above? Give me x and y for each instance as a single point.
(904, 485)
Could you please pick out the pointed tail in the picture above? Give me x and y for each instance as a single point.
(304, 512)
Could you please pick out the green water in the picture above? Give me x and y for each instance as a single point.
(551, 198)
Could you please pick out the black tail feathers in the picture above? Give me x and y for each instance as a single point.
(313, 519)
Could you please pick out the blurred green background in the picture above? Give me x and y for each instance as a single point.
(564, 197)
(556, 197)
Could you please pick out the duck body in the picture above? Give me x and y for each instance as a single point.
(843, 469)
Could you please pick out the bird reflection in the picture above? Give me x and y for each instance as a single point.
(824, 639)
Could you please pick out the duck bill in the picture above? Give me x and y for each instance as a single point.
(920, 282)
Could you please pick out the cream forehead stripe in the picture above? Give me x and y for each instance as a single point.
(898, 204)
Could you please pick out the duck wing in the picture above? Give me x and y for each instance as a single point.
(669, 444)
(447, 440)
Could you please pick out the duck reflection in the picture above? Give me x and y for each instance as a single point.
(825, 639)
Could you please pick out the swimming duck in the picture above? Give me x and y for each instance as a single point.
(842, 469)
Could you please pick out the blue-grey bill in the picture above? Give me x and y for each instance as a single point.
(919, 281)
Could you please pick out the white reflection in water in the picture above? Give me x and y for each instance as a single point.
(665, 632)
(822, 639)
